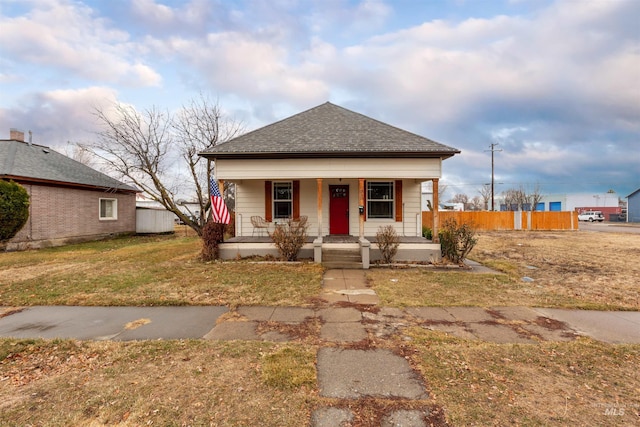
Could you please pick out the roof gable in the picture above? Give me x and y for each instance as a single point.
(21, 160)
(331, 131)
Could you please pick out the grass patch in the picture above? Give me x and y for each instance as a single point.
(64, 383)
(574, 383)
(147, 271)
(288, 368)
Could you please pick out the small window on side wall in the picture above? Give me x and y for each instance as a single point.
(108, 209)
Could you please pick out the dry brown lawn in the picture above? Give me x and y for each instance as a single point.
(571, 269)
(600, 269)
(197, 382)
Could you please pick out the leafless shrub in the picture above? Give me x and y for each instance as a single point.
(456, 241)
(388, 243)
(289, 237)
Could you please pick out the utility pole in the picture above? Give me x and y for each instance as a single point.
(493, 150)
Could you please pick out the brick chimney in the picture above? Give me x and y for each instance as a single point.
(16, 135)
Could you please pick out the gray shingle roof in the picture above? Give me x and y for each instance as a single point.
(329, 131)
(32, 162)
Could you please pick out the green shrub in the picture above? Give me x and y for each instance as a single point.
(289, 237)
(388, 243)
(14, 209)
(427, 233)
(456, 241)
(212, 236)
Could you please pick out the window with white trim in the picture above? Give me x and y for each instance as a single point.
(108, 209)
(282, 199)
(380, 199)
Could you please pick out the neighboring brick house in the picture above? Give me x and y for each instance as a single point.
(69, 201)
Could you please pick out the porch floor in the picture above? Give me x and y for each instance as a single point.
(326, 239)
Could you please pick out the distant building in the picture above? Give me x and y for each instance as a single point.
(607, 203)
(633, 206)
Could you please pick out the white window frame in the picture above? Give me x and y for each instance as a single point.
(389, 200)
(274, 200)
(114, 209)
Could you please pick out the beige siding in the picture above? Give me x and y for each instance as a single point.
(274, 169)
(250, 201)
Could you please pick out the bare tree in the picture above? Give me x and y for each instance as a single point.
(477, 204)
(461, 198)
(520, 199)
(535, 197)
(158, 151)
(485, 193)
(79, 153)
(511, 199)
(200, 125)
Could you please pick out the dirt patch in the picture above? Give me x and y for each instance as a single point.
(368, 308)
(370, 412)
(309, 330)
(551, 324)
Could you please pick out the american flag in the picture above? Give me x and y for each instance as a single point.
(219, 210)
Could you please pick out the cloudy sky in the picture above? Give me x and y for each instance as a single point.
(555, 82)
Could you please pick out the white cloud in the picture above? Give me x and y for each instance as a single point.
(58, 116)
(69, 37)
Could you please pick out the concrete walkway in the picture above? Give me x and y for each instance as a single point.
(350, 367)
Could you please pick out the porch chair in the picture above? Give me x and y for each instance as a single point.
(259, 224)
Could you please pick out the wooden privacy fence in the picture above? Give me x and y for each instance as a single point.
(519, 220)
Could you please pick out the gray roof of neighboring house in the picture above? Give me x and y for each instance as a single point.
(329, 131)
(36, 163)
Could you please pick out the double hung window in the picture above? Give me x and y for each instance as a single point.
(380, 199)
(282, 199)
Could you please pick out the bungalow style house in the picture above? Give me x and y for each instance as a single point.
(344, 173)
(69, 201)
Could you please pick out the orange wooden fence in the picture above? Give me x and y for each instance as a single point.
(485, 220)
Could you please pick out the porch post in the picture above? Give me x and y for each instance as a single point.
(319, 197)
(436, 219)
(361, 203)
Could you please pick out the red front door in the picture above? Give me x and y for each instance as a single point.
(339, 209)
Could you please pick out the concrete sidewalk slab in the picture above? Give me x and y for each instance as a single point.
(470, 314)
(261, 314)
(614, 327)
(348, 285)
(435, 314)
(228, 331)
(291, 314)
(352, 374)
(525, 314)
(340, 315)
(343, 332)
(331, 417)
(500, 334)
(116, 323)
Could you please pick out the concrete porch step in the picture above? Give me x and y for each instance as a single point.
(340, 265)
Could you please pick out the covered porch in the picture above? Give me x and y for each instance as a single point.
(334, 251)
